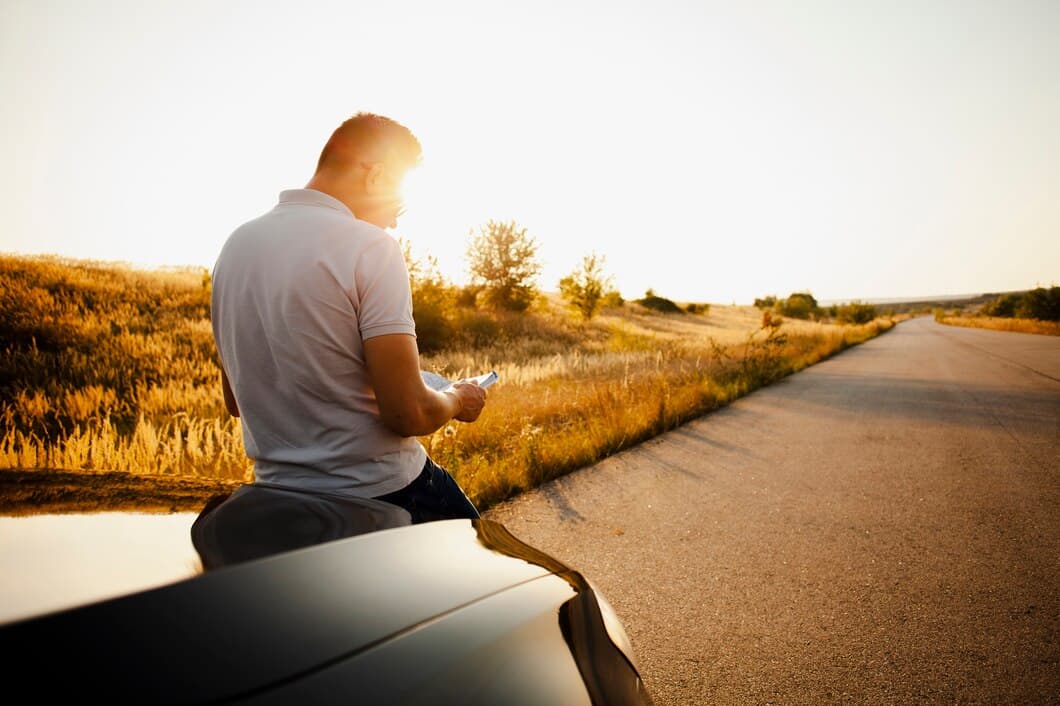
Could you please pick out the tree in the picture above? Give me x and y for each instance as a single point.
(1005, 305)
(1040, 303)
(584, 288)
(503, 259)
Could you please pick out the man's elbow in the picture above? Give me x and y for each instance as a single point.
(407, 426)
(409, 421)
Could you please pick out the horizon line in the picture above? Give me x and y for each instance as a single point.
(147, 267)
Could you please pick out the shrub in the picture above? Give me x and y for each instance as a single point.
(657, 303)
(467, 296)
(855, 313)
(431, 314)
(766, 302)
(584, 288)
(433, 299)
(613, 300)
(800, 305)
(697, 308)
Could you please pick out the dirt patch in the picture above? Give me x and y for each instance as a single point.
(48, 491)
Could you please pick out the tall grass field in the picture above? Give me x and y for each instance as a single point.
(107, 368)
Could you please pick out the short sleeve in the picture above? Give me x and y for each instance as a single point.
(383, 290)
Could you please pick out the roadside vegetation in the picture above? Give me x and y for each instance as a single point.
(803, 305)
(1034, 311)
(106, 368)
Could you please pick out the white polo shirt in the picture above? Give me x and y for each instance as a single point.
(295, 294)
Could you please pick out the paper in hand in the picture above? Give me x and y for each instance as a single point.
(485, 380)
(442, 383)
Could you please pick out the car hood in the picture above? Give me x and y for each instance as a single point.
(261, 616)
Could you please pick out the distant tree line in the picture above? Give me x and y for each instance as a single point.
(1040, 303)
(503, 264)
(803, 305)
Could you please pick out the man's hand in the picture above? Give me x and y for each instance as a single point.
(472, 399)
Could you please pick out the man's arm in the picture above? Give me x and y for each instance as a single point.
(406, 405)
(230, 398)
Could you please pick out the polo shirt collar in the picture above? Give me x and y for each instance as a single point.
(313, 198)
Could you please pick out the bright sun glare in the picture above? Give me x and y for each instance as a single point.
(412, 189)
(434, 223)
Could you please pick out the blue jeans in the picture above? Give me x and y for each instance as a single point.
(433, 495)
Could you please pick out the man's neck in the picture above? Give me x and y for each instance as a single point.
(358, 202)
(329, 187)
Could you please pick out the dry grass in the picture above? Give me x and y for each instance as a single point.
(997, 323)
(108, 369)
(554, 415)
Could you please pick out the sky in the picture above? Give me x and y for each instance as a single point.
(711, 151)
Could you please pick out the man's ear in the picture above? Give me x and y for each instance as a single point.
(375, 179)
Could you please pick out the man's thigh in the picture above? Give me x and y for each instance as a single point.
(433, 495)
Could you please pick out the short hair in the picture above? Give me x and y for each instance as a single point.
(371, 137)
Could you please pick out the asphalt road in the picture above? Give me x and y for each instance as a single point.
(883, 527)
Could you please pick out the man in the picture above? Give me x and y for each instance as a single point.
(312, 318)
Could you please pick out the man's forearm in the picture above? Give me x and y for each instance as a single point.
(430, 412)
(406, 405)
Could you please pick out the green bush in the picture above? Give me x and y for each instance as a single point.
(697, 308)
(657, 303)
(477, 329)
(766, 302)
(855, 313)
(431, 310)
(467, 296)
(433, 300)
(800, 305)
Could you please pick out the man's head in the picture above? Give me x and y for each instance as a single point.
(364, 164)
